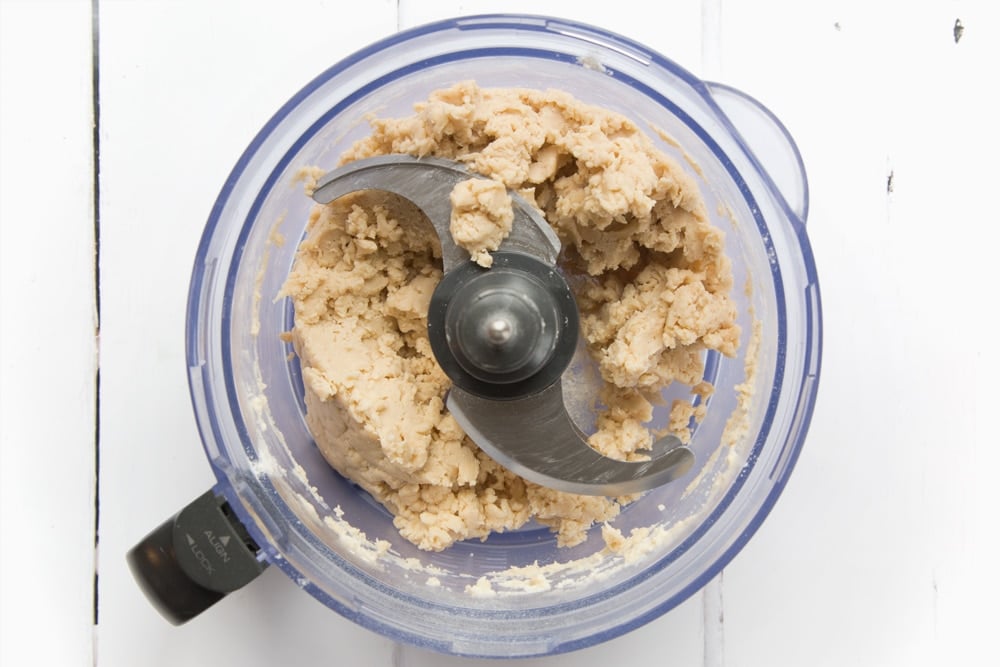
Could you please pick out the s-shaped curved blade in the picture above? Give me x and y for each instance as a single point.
(535, 438)
(530, 434)
(428, 182)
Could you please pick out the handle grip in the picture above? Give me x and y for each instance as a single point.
(195, 558)
(770, 145)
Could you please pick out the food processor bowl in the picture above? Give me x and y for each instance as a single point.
(516, 593)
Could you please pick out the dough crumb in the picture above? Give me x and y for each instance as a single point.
(613, 538)
(681, 415)
(704, 389)
(309, 177)
(481, 589)
(481, 217)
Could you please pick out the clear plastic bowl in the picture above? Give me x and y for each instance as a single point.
(247, 392)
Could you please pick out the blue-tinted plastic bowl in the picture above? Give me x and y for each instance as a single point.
(247, 394)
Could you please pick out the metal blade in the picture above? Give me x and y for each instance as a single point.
(428, 182)
(535, 438)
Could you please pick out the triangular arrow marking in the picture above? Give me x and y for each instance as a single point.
(190, 539)
(225, 540)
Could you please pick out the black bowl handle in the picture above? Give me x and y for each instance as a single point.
(195, 558)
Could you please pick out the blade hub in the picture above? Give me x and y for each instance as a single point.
(508, 331)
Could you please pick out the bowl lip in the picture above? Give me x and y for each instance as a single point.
(531, 23)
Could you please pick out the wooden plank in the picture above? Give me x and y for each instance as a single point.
(880, 551)
(48, 340)
(184, 88)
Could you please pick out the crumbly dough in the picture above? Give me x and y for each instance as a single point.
(647, 268)
(481, 217)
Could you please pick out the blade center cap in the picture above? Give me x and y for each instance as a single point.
(505, 332)
(502, 327)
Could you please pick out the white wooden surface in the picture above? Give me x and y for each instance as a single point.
(881, 551)
(48, 349)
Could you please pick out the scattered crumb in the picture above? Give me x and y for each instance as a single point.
(481, 589)
(613, 538)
